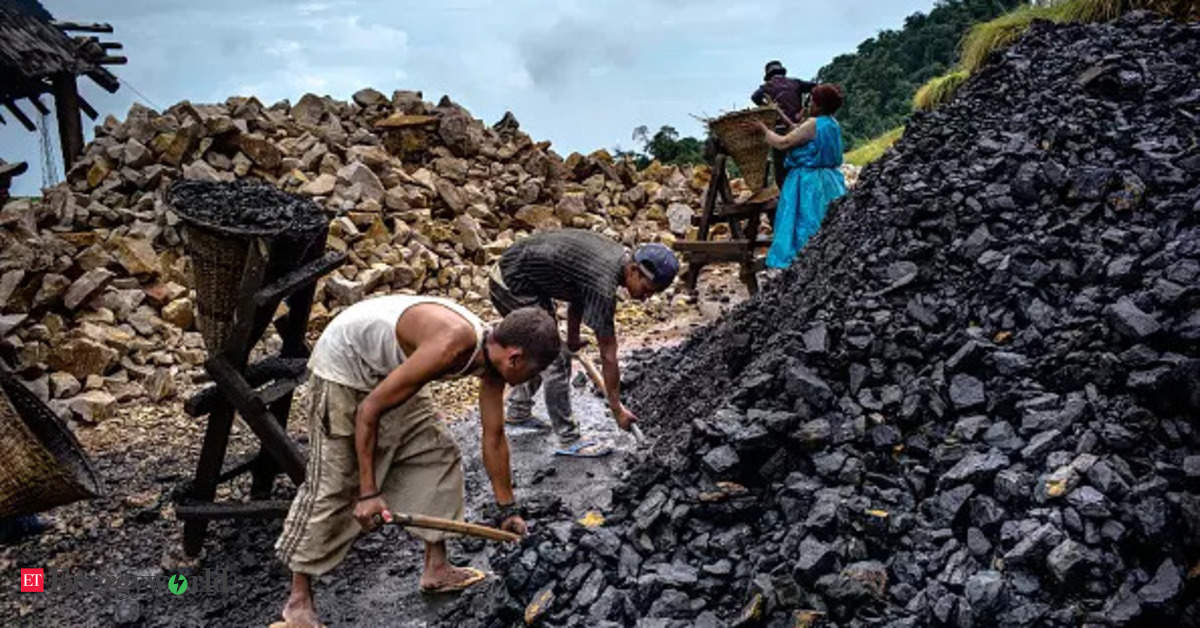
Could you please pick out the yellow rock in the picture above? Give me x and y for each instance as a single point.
(99, 170)
(540, 604)
(1056, 488)
(592, 519)
(882, 514)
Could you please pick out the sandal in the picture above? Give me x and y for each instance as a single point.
(530, 421)
(585, 449)
(454, 587)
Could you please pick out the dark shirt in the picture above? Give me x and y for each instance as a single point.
(788, 93)
(572, 265)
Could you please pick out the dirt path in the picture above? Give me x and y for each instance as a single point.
(108, 560)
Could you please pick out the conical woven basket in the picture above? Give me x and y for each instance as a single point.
(744, 141)
(43, 465)
(218, 255)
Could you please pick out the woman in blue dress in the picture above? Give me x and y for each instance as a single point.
(814, 178)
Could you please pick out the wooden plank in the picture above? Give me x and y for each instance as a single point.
(66, 109)
(87, 108)
(237, 469)
(208, 471)
(112, 60)
(264, 425)
(203, 512)
(299, 278)
(105, 79)
(20, 116)
(696, 246)
(94, 27)
(210, 397)
(37, 104)
(111, 45)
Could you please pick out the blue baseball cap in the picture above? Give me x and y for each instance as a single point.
(657, 263)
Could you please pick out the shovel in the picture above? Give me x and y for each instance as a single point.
(594, 375)
(449, 525)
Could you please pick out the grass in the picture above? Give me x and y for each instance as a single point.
(988, 37)
(939, 90)
(873, 149)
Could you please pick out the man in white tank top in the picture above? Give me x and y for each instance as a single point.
(376, 444)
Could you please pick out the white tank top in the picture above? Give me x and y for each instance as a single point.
(359, 348)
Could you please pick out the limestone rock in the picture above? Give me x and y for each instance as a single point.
(92, 406)
(86, 286)
(537, 217)
(323, 185)
(52, 288)
(470, 234)
(179, 313)
(679, 217)
(82, 357)
(137, 256)
(261, 151)
(360, 174)
(63, 385)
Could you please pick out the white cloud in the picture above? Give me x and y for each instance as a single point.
(578, 72)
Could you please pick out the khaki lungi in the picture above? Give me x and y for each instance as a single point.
(417, 466)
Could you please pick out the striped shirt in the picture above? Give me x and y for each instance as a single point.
(572, 265)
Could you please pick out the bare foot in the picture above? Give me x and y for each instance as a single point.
(449, 578)
(300, 613)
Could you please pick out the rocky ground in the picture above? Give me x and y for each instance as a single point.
(142, 451)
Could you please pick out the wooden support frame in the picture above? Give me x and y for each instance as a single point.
(264, 410)
(70, 126)
(743, 220)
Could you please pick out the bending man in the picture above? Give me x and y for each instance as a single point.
(584, 269)
(376, 443)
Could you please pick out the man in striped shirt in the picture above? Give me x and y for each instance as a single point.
(584, 269)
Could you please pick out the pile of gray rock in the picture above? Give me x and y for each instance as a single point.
(95, 298)
(970, 402)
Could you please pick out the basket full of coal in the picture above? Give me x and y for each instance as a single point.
(970, 402)
(221, 220)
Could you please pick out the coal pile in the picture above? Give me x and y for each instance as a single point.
(246, 204)
(970, 402)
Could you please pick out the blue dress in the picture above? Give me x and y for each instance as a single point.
(813, 181)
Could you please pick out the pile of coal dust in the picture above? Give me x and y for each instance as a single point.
(246, 204)
(970, 402)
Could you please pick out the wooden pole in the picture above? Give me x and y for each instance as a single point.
(83, 28)
(448, 525)
(70, 127)
(20, 115)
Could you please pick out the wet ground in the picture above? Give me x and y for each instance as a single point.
(115, 549)
(107, 561)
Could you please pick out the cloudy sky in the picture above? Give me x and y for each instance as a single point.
(580, 73)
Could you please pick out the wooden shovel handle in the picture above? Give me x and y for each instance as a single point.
(449, 525)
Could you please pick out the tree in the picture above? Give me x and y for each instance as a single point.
(882, 75)
(667, 147)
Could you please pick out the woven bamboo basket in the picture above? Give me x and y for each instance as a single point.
(218, 255)
(744, 141)
(43, 465)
